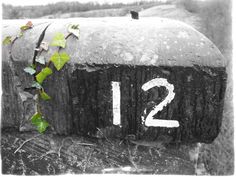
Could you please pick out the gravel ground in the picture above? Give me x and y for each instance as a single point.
(50, 154)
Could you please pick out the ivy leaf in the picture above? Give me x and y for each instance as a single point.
(43, 74)
(7, 40)
(28, 25)
(40, 60)
(30, 70)
(42, 126)
(44, 95)
(59, 59)
(59, 40)
(44, 46)
(74, 29)
(36, 118)
(36, 85)
(23, 28)
(39, 122)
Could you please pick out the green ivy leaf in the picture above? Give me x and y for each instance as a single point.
(36, 118)
(74, 29)
(44, 95)
(38, 121)
(42, 126)
(43, 74)
(28, 25)
(30, 70)
(7, 40)
(40, 60)
(23, 28)
(36, 85)
(59, 59)
(59, 40)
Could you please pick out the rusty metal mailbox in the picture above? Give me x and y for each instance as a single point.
(146, 78)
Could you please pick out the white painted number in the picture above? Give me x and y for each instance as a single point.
(116, 102)
(150, 122)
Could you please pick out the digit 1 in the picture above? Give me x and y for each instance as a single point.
(150, 122)
(116, 103)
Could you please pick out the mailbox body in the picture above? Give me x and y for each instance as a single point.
(130, 52)
(197, 103)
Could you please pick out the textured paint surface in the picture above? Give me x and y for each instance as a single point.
(116, 102)
(150, 122)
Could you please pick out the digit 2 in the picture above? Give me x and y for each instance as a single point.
(150, 122)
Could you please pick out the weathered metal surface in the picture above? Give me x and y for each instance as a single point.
(148, 41)
(132, 53)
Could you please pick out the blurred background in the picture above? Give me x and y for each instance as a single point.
(210, 17)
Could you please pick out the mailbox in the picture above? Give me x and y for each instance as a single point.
(146, 78)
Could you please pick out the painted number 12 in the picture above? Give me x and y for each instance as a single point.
(149, 121)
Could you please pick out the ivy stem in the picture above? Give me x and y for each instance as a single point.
(37, 102)
(47, 65)
(68, 35)
(13, 41)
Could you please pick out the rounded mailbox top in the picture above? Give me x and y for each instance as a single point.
(121, 40)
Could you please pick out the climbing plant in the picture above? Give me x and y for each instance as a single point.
(40, 68)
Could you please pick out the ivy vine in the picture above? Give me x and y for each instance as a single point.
(40, 69)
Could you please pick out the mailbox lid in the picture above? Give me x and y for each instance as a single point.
(121, 40)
